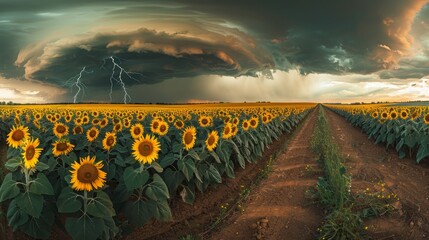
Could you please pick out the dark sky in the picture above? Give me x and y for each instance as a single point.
(178, 51)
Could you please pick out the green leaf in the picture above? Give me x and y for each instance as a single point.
(162, 211)
(85, 227)
(157, 189)
(40, 166)
(8, 188)
(186, 166)
(138, 213)
(134, 179)
(167, 160)
(188, 195)
(13, 163)
(39, 228)
(214, 174)
(101, 206)
(41, 185)
(68, 201)
(215, 156)
(157, 167)
(194, 155)
(15, 216)
(172, 179)
(30, 203)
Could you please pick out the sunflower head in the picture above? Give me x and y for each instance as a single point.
(17, 136)
(189, 137)
(204, 121)
(77, 130)
(145, 149)
(92, 134)
(227, 131)
(179, 124)
(245, 125)
(384, 115)
(31, 152)
(374, 114)
(109, 141)
(117, 127)
(136, 130)
(104, 122)
(254, 122)
(212, 140)
(154, 125)
(393, 115)
(62, 147)
(87, 175)
(163, 128)
(404, 114)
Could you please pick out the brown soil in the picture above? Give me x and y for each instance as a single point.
(278, 208)
(369, 163)
(195, 219)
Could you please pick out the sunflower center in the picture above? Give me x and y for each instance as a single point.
(204, 121)
(29, 152)
(145, 149)
(404, 114)
(188, 138)
(227, 130)
(252, 122)
(110, 141)
(61, 146)
(245, 125)
(87, 173)
(155, 125)
(92, 133)
(427, 118)
(61, 129)
(78, 130)
(393, 115)
(211, 140)
(179, 124)
(18, 135)
(137, 131)
(117, 127)
(163, 128)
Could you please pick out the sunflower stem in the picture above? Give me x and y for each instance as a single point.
(27, 179)
(85, 201)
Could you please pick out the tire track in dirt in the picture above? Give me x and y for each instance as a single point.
(281, 197)
(369, 163)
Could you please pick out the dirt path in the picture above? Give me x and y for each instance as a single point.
(280, 199)
(369, 163)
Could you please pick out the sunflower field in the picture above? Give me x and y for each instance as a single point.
(101, 170)
(405, 128)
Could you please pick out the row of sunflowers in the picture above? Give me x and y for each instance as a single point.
(405, 128)
(103, 172)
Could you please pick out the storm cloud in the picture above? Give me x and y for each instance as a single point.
(165, 41)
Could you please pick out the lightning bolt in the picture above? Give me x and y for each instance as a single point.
(117, 77)
(76, 82)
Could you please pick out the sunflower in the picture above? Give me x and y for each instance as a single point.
(136, 130)
(92, 134)
(85, 120)
(189, 137)
(163, 128)
(227, 131)
(104, 122)
(234, 130)
(171, 118)
(426, 118)
(384, 115)
(95, 121)
(60, 130)
(265, 119)
(393, 115)
(78, 121)
(68, 118)
(374, 114)
(204, 121)
(117, 127)
(127, 123)
(87, 175)
(77, 130)
(17, 135)
(154, 125)
(212, 140)
(179, 124)
(62, 147)
(145, 149)
(31, 152)
(235, 121)
(109, 141)
(254, 122)
(245, 125)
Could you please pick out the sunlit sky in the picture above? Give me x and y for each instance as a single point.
(206, 51)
